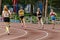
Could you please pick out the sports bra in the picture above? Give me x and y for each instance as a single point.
(52, 14)
(39, 14)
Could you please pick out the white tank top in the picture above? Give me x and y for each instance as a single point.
(6, 14)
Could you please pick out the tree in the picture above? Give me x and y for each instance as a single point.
(0, 5)
(54, 3)
(21, 1)
(32, 2)
(44, 2)
(46, 6)
(7, 2)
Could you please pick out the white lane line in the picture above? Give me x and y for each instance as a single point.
(18, 36)
(43, 36)
(54, 30)
(26, 32)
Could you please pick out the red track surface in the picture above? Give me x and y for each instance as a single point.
(32, 32)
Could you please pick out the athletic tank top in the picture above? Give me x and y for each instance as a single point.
(21, 12)
(6, 14)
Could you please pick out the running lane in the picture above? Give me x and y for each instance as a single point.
(32, 32)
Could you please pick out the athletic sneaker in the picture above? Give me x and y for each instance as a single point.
(8, 33)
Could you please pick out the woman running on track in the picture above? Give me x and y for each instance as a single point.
(6, 17)
(21, 15)
(39, 17)
(53, 17)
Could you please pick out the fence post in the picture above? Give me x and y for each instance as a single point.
(30, 18)
(46, 20)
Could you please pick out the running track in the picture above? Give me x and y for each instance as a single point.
(32, 32)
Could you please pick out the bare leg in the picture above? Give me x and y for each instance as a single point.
(53, 23)
(21, 22)
(24, 22)
(42, 23)
(7, 27)
(38, 21)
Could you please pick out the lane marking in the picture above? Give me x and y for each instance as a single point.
(54, 30)
(43, 36)
(26, 32)
(43, 32)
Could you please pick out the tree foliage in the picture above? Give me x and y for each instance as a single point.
(7, 2)
(54, 3)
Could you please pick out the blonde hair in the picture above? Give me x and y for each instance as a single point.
(5, 8)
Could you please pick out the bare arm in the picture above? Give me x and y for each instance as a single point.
(37, 14)
(10, 14)
(19, 12)
(50, 14)
(55, 13)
